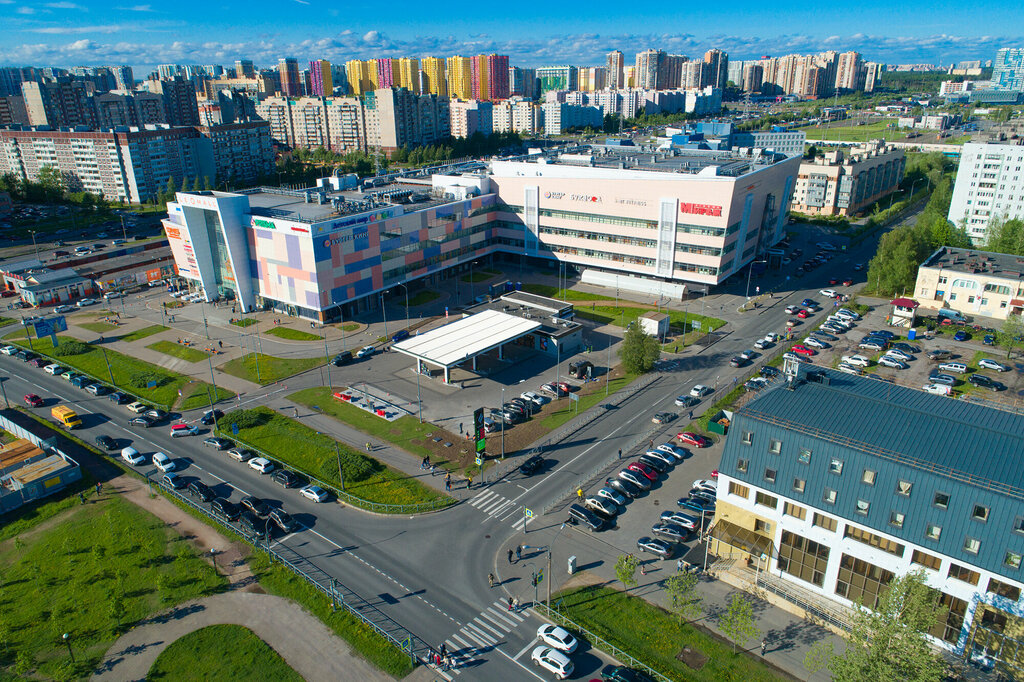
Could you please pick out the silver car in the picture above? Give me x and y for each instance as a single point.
(612, 495)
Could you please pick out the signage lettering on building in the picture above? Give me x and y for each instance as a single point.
(701, 209)
(630, 202)
(260, 222)
(172, 232)
(364, 219)
(584, 197)
(554, 195)
(197, 201)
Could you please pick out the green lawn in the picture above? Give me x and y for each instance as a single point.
(221, 652)
(4, 321)
(179, 351)
(423, 297)
(98, 327)
(303, 448)
(655, 636)
(100, 569)
(143, 333)
(845, 133)
(350, 326)
(244, 322)
(199, 396)
(269, 369)
(292, 334)
(566, 294)
(477, 276)
(622, 316)
(129, 373)
(570, 409)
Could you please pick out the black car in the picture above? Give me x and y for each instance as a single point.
(531, 465)
(118, 398)
(738, 361)
(200, 491)
(654, 546)
(283, 520)
(624, 487)
(251, 524)
(982, 381)
(342, 358)
(256, 506)
(225, 509)
(906, 347)
(211, 416)
(579, 514)
(218, 443)
(142, 420)
(654, 463)
(106, 442)
(769, 372)
(288, 479)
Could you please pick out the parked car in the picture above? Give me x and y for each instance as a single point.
(257, 506)
(635, 478)
(286, 478)
(54, 369)
(738, 361)
(261, 464)
(679, 518)
(982, 381)
(173, 480)
(314, 493)
(653, 462)
(132, 456)
(105, 442)
(224, 508)
(625, 487)
(957, 367)
(614, 496)
(667, 459)
(906, 347)
(366, 351)
(937, 377)
(555, 662)
(240, 454)
(283, 520)
(693, 439)
(580, 515)
(988, 363)
(655, 546)
(670, 531)
(937, 389)
(118, 398)
(961, 336)
(769, 372)
(620, 673)
(890, 361)
(939, 354)
(856, 360)
(829, 293)
(872, 345)
(899, 354)
(217, 443)
(163, 462)
(814, 343)
(210, 417)
(138, 407)
(804, 350)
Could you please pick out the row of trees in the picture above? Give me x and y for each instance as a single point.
(48, 189)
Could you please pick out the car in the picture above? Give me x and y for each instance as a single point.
(256, 506)
(944, 379)
(602, 506)
(9, 350)
(847, 282)
(989, 340)
(240, 454)
(792, 309)
(63, 309)
(817, 344)
(557, 637)
(553, 389)
(663, 417)
(644, 470)
(286, 478)
(533, 398)
(756, 384)
(578, 514)
(769, 372)
(157, 414)
(748, 355)
(366, 351)
(163, 462)
(555, 662)
(653, 462)
(824, 335)
(210, 417)
(899, 354)
(138, 407)
(623, 486)
(635, 478)
(217, 443)
(700, 505)
(118, 398)
(847, 368)
(283, 520)
(803, 314)
(856, 360)
(27, 356)
(55, 370)
(906, 347)
(668, 459)
(261, 464)
(957, 367)
(224, 508)
(85, 302)
(655, 546)
(829, 293)
(679, 518)
(620, 673)
(700, 390)
(846, 312)
(612, 496)
(872, 344)
(32, 400)
(132, 456)
(762, 344)
(961, 336)
(937, 389)
(314, 493)
(696, 440)
(173, 480)
(38, 362)
(858, 266)
(670, 531)
(706, 484)
(795, 357)
(710, 494)
(142, 420)
(342, 358)
(531, 465)
(803, 350)
(686, 401)
(738, 361)
(105, 442)
(883, 334)
(97, 389)
(183, 430)
(772, 336)
(982, 381)
(939, 354)
(989, 363)
(807, 303)
(892, 362)
(111, 295)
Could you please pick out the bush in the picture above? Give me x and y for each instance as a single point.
(68, 348)
(245, 419)
(141, 380)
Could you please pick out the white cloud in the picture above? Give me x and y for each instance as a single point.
(302, 2)
(25, 10)
(137, 8)
(64, 5)
(75, 30)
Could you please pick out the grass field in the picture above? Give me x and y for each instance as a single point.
(129, 373)
(244, 322)
(350, 326)
(98, 327)
(198, 395)
(655, 636)
(423, 297)
(566, 294)
(477, 276)
(596, 394)
(292, 334)
(179, 351)
(221, 652)
(270, 368)
(6, 321)
(143, 333)
(622, 316)
(93, 574)
(314, 453)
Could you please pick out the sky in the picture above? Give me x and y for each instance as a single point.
(142, 34)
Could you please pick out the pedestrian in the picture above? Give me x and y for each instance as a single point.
(515, 605)
(469, 481)
(676, 350)
(643, 569)
(367, 446)
(490, 579)
(691, 414)
(437, 660)
(519, 553)
(220, 344)
(579, 493)
(764, 645)
(620, 453)
(679, 566)
(651, 445)
(99, 488)
(81, 496)
(447, 662)
(510, 555)
(444, 649)
(510, 603)
(460, 428)
(447, 486)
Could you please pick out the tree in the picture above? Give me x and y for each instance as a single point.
(639, 350)
(206, 183)
(1005, 236)
(738, 622)
(818, 657)
(625, 569)
(682, 595)
(889, 642)
(51, 180)
(811, 152)
(185, 185)
(1011, 333)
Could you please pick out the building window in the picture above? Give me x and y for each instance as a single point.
(941, 500)
(963, 573)
(868, 477)
(933, 532)
(859, 580)
(896, 519)
(805, 456)
(829, 497)
(766, 500)
(980, 513)
(972, 545)
(1012, 559)
(872, 540)
(796, 511)
(836, 466)
(739, 490)
(903, 488)
(748, 438)
(1018, 525)
(742, 464)
(862, 507)
(799, 484)
(762, 527)
(769, 475)
(826, 522)
(803, 558)
(774, 446)
(1007, 590)
(926, 560)
(949, 628)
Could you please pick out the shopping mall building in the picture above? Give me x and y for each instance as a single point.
(644, 221)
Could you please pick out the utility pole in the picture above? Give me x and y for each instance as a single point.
(384, 313)
(337, 452)
(327, 357)
(109, 371)
(214, 382)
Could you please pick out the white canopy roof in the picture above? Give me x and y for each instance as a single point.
(463, 339)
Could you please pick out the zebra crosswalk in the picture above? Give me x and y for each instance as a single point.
(481, 634)
(499, 507)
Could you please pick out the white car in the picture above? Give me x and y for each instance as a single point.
(533, 398)
(602, 504)
(54, 369)
(890, 361)
(988, 363)
(848, 368)
(899, 355)
(138, 407)
(829, 293)
(86, 302)
(792, 309)
(366, 351)
(815, 343)
(705, 483)
(614, 497)
(132, 456)
(61, 309)
(856, 360)
(671, 449)
(163, 462)
(762, 344)
(772, 336)
(937, 389)
(843, 312)
(700, 390)
(9, 350)
(553, 661)
(795, 357)
(314, 492)
(668, 458)
(112, 294)
(261, 464)
(557, 637)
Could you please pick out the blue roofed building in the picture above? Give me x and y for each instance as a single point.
(833, 484)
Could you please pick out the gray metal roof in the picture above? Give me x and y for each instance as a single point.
(970, 443)
(975, 261)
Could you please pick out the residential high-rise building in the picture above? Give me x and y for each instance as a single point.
(240, 152)
(12, 111)
(388, 74)
(60, 103)
(497, 77)
(435, 76)
(409, 74)
(614, 64)
(335, 123)
(469, 118)
(989, 185)
(1008, 69)
(516, 115)
(321, 80)
(845, 181)
(591, 78)
(648, 63)
(129, 109)
(753, 76)
(460, 78)
(694, 73)
(124, 79)
(849, 72)
(169, 70)
(291, 82)
(522, 82)
(12, 77)
(718, 69)
(180, 102)
(557, 78)
(244, 68)
(361, 76)
(872, 75)
(560, 117)
(629, 76)
(395, 117)
(478, 77)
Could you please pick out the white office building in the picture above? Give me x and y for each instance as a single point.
(989, 184)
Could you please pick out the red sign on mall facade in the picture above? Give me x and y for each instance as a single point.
(701, 209)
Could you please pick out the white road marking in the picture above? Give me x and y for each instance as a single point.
(524, 650)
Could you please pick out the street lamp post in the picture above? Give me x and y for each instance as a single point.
(124, 230)
(384, 313)
(109, 371)
(34, 245)
(560, 529)
(502, 421)
(67, 640)
(406, 302)
(206, 326)
(327, 357)
(893, 197)
(419, 399)
(915, 185)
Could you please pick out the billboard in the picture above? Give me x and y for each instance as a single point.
(478, 429)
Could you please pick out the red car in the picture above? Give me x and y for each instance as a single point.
(847, 282)
(644, 470)
(693, 439)
(32, 400)
(565, 387)
(804, 350)
(803, 314)
(833, 281)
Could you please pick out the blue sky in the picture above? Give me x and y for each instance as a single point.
(142, 34)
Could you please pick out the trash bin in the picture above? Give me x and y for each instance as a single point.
(572, 565)
(912, 334)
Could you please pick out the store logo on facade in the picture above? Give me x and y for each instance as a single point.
(590, 198)
(259, 222)
(701, 209)
(554, 195)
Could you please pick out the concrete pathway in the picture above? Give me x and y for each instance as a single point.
(305, 643)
